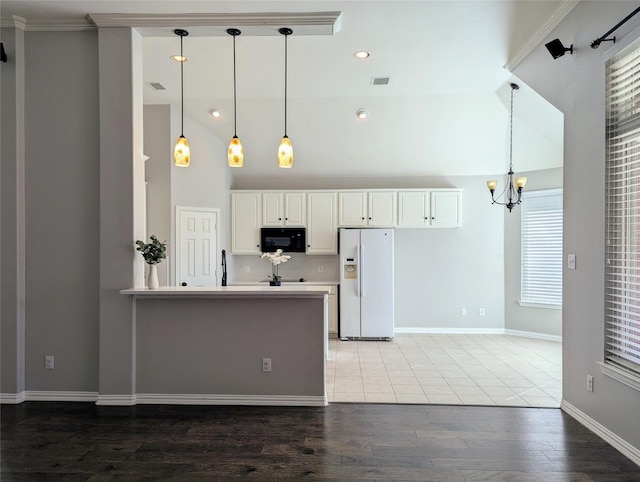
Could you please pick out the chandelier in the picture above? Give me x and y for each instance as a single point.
(512, 194)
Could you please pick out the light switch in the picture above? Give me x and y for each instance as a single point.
(571, 261)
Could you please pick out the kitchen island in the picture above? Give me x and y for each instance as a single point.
(216, 345)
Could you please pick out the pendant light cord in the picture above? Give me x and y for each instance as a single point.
(181, 89)
(511, 132)
(285, 84)
(235, 115)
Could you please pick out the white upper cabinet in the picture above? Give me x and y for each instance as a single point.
(246, 222)
(430, 208)
(413, 209)
(272, 209)
(446, 209)
(382, 208)
(284, 209)
(295, 209)
(361, 208)
(322, 229)
(352, 209)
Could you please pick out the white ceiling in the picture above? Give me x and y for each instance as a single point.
(444, 111)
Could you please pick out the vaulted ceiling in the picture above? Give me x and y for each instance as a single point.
(444, 111)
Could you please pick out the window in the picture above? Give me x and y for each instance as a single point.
(622, 262)
(541, 273)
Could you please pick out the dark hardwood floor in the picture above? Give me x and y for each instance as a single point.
(51, 441)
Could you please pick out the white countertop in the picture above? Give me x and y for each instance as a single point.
(262, 290)
(287, 283)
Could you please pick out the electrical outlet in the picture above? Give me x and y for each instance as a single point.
(266, 365)
(463, 312)
(48, 362)
(571, 261)
(247, 269)
(481, 311)
(320, 269)
(590, 383)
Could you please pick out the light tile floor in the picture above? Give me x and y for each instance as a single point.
(447, 369)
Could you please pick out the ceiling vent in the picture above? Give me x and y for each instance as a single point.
(156, 85)
(379, 80)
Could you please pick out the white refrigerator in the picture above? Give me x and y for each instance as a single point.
(366, 284)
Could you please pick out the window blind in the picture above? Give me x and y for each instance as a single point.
(622, 270)
(541, 252)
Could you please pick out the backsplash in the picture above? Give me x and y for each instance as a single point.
(310, 267)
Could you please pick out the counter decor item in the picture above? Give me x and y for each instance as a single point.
(153, 253)
(275, 259)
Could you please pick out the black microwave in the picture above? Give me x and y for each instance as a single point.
(289, 240)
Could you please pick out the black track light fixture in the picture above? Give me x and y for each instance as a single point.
(557, 50)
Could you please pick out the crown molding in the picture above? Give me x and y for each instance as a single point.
(14, 22)
(49, 25)
(214, 24)
(545, 29)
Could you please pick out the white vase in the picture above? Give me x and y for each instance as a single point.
(152, 278)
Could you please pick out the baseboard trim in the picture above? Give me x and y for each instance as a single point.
(477, 331)
(534, 334)
(450, 331)
(163, 399)
(47, 396)
(116, 400)
(204, 399)
(12, 398)
(624, 447)
(60, 396)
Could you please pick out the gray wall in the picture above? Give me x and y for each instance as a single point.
(205, 184)
(157, 145)
(437, 271)
(547, 321)
(12, 204)
(575, 85)
(62, 210)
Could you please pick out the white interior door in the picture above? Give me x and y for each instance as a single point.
(197, 246)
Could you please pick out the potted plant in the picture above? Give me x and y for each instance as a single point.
(153, 253)
(276, 259)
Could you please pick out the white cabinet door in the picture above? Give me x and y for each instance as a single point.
(272, 209)
(382, 209)
(333, 315)
(295, 209)
(322, 229)
(245, 223)
(446, 209)
(413, 209)
(352, 209)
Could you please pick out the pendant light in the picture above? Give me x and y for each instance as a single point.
(235, 156)
(513, 190)
(181, 153)
(285, 150)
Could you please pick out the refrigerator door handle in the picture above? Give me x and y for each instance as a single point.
(358, 271)
(361, 263)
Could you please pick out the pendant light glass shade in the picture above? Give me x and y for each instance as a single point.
(285, 150)
(181, 153)
(235, 154)
(285, 153)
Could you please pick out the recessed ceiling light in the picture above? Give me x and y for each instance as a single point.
(362, 54)
(179, 58)
(215, 113)
(362, 113)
